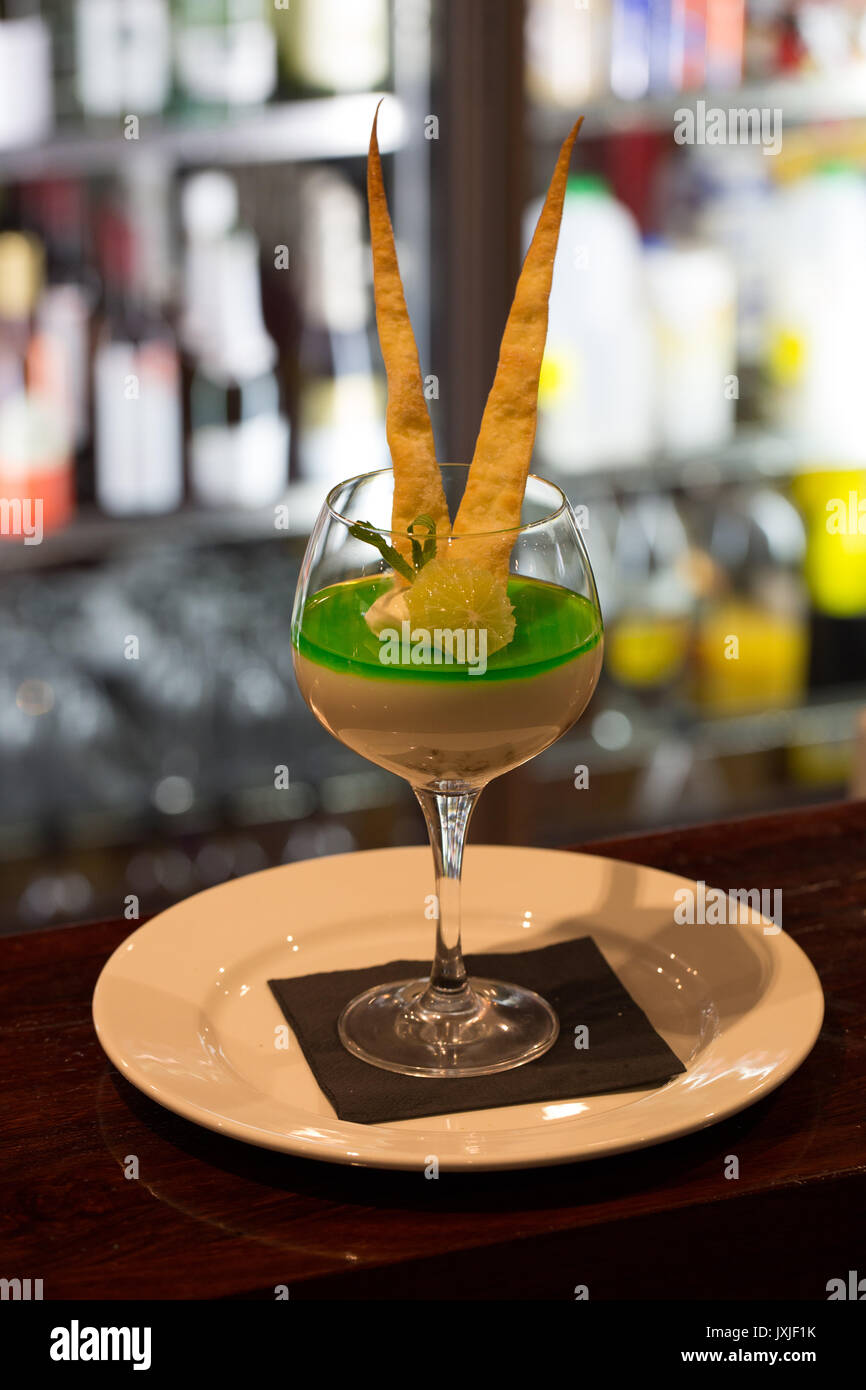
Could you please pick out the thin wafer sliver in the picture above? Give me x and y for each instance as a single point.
(417, 479)
(494, 491)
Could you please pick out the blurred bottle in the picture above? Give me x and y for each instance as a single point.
(21, 271)
(567, 51)
(340, 403)
(136, 383)
(26, 96)
(688, 43)
(647, 644)
(123, 56)
(59, 17)
(596, 392)
(833, 502)
(630, 49)
(692, 296)
(692, 42)
(661, 75)
(36, 465)
(752, 649)
(328, 46)
(60, 350)
(225, 51)
(209, 213)
(825, 31)
(725, 38)
(816, 312)
(750, 656)
(239, 437)
(735, 199)
(772, 42)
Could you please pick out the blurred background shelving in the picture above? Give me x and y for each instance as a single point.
(805, 99)
(314, 129)
(188, 359)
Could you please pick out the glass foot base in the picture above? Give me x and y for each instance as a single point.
(484, 1027)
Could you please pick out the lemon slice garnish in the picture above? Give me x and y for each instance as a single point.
(451, 593)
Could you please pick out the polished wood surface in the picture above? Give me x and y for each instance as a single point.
(213, 1218)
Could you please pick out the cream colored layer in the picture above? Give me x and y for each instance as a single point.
(463, 732)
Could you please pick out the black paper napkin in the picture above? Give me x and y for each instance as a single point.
(624, 1052)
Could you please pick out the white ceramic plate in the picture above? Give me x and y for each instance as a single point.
(183, 1008)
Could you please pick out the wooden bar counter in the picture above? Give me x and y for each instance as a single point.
(209, 1217)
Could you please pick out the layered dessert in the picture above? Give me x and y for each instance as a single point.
(434, 719)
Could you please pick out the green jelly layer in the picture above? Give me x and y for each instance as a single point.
(553, 626)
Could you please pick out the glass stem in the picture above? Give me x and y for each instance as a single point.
(447, 816)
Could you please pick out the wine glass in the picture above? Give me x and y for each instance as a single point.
(448, 727)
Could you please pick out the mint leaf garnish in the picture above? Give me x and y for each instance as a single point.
(364, 531)
(421, 552)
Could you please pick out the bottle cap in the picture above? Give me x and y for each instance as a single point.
(209, 205)
(838, 168)
(20, 274)
(586, 183)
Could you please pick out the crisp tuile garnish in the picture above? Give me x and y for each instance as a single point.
(493, 497)
(472, 573)
(417, 480)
